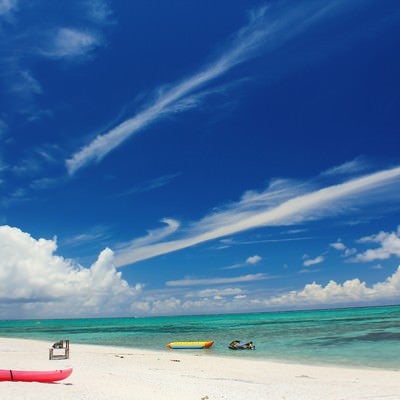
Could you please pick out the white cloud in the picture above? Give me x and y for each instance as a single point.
(154, 235)
(314, 261)
(264, 32)
(347, 168)
(96, 234)
(342, 247)
(98, 10)
(349, 292)
(264, 209)
(338, 246)
(217, 281)
(36, 282)
(253, 260)
(69, 42)
(389, 246)
(222, 292)
(25, 41)
(350, 251)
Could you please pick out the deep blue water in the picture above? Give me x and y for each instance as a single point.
(358, 336)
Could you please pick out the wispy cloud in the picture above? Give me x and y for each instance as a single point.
(150, 185)
(252, 260)
(220, 292)
(250, 213)
(267, 30)
(231, 242)
(7, 6)
(71, 43)
(217, 281)
(24, 42)
(350, 167)
(96, 234)
(25, 84)
(313, 261)
(154, 235)
(98, 10)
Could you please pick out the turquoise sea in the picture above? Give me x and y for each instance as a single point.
(368, 337)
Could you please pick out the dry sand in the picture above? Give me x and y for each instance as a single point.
(121, 373)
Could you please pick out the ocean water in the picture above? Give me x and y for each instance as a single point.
(368, 337)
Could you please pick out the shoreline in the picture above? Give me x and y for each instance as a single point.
(235, 355)
(107, 372)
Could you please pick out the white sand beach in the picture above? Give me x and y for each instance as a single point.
(102, 372)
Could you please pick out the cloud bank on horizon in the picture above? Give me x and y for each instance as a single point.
(35, 283)
(33, 279)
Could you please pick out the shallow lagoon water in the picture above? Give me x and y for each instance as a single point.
(368, 337)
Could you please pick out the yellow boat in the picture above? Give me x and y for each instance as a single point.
(190, 345)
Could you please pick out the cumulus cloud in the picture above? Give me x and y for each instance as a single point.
(338, 246)
(253, 260)
(35, 282)
(389, 245)
(353, 292)
(349, 292)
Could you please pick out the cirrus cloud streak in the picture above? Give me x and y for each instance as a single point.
(252, 213)
(265, 31)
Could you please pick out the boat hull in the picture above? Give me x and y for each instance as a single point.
(34, 376)
(190, 345)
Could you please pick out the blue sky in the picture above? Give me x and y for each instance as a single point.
(162, 158)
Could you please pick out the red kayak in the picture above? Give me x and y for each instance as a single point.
(34, 376)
